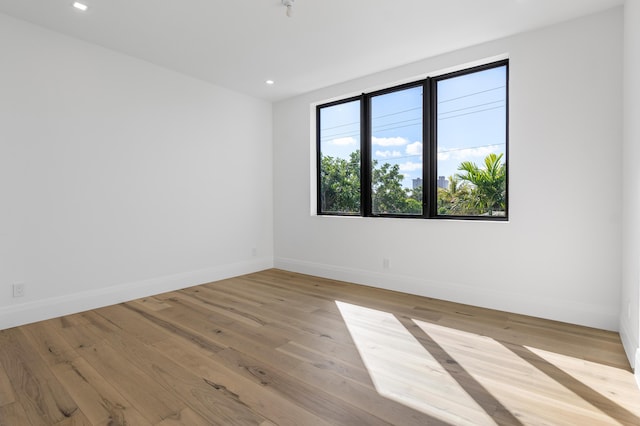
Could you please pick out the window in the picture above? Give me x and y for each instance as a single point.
(339, 164)
(471, 142)
(435, 148)
(395, 157)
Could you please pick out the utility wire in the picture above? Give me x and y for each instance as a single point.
(397, 127)
(397, 112)
(378, 128)
(324, 138)
(377, 116)
(443, 151)
(469, 113)
(381, 129)
(470, 147)
(343, 134)
(417, 108)
(471, 94)
(471, 107)
(401, 157)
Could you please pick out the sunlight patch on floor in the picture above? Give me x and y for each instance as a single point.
(601, 378)
(464, 378)
(521, 387)
(404, 371)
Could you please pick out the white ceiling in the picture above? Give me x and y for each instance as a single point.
(241, 43)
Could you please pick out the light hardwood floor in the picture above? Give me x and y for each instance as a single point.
(279, 348)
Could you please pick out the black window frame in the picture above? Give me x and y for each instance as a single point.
(319, 156)
(429, 148)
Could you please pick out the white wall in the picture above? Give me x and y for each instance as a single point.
(121, 179)
(629, 327)
(558, 256)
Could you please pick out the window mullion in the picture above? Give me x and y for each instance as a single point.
(431, 159)
(319, 209)
(365, 149)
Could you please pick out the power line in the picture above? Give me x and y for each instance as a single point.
(469, 113)
(448, 150)
(380, 128)
(443, 118)
(403, 156)
(417, 108)
(471, 107)
(396, 122)
(378, 116)
(471, 94)
(325, 138)
(357, 132)
(397, 112)
(341, 125)
(399, 127)
(354, 133)
(343, 134)
(471, 147)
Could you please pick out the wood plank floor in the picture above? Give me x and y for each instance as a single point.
(279, 348)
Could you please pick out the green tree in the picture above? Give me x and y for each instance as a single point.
(456, 199)
(340, 188)
(488, 184)
(413, 206)
(388, 195)
(340, 184)
(416, 194)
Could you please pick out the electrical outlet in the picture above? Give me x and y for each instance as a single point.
(18, 290)
(254, 252)
(385, 263)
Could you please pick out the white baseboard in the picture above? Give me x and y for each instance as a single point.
(636, 369)
(631, 347)
(565, 311)
(38, 310)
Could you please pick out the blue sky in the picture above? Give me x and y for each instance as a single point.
(471, 124)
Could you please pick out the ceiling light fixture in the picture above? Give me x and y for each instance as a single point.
(270, 82)
(80, 6)
(289, 5)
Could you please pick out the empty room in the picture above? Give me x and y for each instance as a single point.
(305, 212)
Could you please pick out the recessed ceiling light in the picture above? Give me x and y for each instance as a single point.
(80, 6)
(270, 82)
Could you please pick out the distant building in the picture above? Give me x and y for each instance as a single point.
(417, 183)
(442, 182)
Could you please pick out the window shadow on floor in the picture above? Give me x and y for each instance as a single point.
(500, 414)
(604, 404)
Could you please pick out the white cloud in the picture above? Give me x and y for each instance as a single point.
(474, 153)
(344, 141)
(468, 154)
(387, 154)
(414, 148)
(410, 166)
(398, 141)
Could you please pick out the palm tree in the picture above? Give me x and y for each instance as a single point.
(455, 199)
(489, 183)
